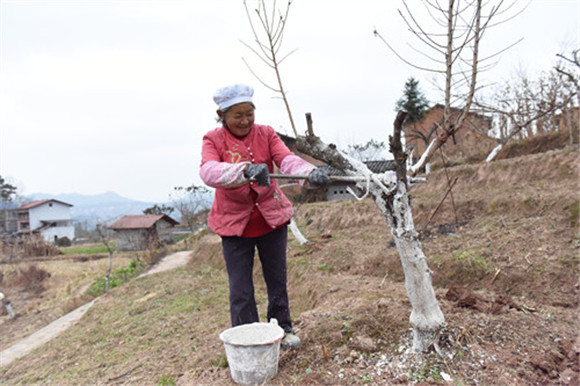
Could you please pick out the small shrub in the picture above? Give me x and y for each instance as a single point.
(63, 242)
(32, 278)
(35, 245)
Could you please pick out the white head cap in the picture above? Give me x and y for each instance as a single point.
(232, 95)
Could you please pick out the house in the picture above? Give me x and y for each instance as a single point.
(471, 140)
(140, 232)
(49, 218)
(8, 218)
(337, 190)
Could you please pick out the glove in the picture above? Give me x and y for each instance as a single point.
(258, 173)
(318, 177)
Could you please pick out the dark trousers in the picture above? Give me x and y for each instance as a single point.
(239, 255)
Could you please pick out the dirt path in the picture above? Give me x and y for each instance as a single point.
(45, 334)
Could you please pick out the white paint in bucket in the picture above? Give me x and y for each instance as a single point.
(253, 351)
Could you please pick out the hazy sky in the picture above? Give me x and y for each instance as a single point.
(100, 96)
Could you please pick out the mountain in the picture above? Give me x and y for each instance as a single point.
(99, 208)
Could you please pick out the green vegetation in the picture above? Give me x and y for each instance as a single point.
(221, 361)
(167, 381)
(574, 213)
(474, 263)
(325, 267)
(427, 372)
(179, 238)
(117, 278)
(89, 249)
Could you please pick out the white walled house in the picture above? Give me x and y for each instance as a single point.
(50, 218)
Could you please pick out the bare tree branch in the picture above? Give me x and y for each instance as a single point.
(273, 30)
(377, 34)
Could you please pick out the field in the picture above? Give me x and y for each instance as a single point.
(505, 256)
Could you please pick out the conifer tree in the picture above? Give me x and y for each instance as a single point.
(413, 101)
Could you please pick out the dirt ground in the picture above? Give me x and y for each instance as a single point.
(506, 273)
(505, 255)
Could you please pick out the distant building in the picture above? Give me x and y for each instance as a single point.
(337, 190)
(8, 218)
(470, 143)
(49, 218)
(141, 232)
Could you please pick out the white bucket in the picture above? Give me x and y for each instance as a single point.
(252, 351)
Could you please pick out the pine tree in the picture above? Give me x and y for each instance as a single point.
(7, 191)
(413, 101)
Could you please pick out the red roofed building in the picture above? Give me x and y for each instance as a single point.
(140, 232)
(471, 142)
(50, 218)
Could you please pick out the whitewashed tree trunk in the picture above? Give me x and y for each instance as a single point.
(426, 316)
(296, 232)
(393, 201)
(494, 152)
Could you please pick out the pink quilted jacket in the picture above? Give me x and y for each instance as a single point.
(223, 160)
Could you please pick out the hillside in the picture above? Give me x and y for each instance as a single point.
(505, 258)
(90, 210)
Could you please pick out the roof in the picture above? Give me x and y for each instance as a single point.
(34, 204)
(142, 221)
(374, 166)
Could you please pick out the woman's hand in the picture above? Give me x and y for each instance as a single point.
(318, 177)
(258, 173)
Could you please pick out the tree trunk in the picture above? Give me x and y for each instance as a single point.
(426, 316)
(108, 275)
(393, 201)
(296, 232)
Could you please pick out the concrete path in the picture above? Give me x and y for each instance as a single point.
(175, 260)
(45, 334)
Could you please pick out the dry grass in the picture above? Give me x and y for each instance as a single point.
(62, 291)
(348, 298)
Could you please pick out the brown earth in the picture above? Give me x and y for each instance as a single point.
(505, 256)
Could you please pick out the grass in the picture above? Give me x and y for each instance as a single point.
(157, 313)
(164, 329)
(117, 278)
(85, 249)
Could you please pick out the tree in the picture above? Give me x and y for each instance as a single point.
(528, 106)
(371, 151)
(413, 102)
(105, 237)
(7, 191)
(268, 49)
(416, 105)
(192, 203)
(7, 195)
(569, 69)
(157, 209)
(393, 201)
(452, 48)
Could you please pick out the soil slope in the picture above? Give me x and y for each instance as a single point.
(505, 254)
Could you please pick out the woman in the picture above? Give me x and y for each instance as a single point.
(250, 211)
